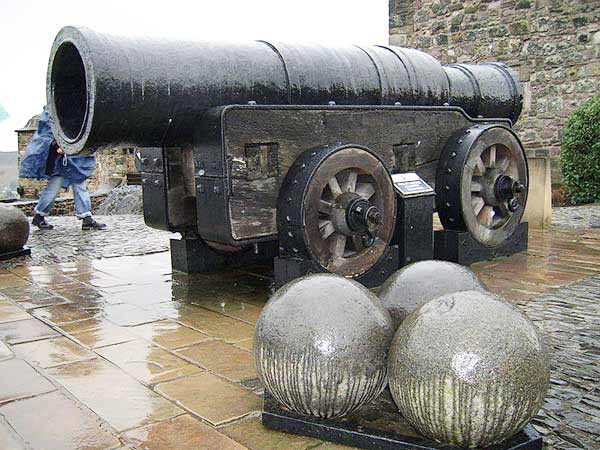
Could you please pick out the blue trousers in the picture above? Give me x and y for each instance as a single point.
(81, 198)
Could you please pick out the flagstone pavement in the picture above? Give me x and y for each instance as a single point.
(103, 347)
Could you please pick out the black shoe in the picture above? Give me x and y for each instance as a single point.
(90, 224)
(40, 222)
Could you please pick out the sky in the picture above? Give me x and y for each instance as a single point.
(27, 29)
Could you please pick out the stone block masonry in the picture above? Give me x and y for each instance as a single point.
(112, 167)
(554, 45)
(63, 206)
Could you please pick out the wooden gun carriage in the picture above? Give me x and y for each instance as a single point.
(266, 149)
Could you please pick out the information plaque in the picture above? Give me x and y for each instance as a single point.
(410, 184)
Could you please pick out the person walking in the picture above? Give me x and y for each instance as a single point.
(45, 159)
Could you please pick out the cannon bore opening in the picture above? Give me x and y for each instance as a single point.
(69, 90)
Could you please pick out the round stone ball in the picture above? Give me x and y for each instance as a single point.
(14, 229)
(321, 344)
(417, 283)
(468, 369)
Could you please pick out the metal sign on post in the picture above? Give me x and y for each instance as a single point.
(414, 222)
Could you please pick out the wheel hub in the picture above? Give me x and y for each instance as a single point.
(361, 216)
(506, 189)
(353, 215)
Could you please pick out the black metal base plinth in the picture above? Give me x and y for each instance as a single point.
(461, 248)
(377, 425)
(25, 251)
(286, 269)
(195, 256)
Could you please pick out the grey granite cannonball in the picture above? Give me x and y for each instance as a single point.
(320, 345)
(417, 283)
(14, 229)
(468, 369)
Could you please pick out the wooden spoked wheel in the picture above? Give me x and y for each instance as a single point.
(346, 212)
(482, 183)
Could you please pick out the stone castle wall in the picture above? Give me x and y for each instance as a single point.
(112, 167)
(63, 206)
(554, 45)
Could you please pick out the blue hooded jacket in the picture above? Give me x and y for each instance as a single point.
(75, 169)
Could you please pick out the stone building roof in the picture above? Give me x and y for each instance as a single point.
(31, 124)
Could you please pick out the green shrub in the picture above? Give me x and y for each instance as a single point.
(580, 153)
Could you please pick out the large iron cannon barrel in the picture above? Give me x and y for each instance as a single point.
(105, 90)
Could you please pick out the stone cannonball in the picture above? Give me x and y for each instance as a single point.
(14, 229)
(468, 369)
(320, 345)
(417, 283)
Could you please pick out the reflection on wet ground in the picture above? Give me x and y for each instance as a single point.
(120, 351)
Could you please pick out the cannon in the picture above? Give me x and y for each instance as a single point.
(261, 149)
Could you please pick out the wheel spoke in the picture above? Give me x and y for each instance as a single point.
(325, 207)
(338, 245)
(491, 156)
(503, 163)
(503, 210)
(365, 190)
(486, 216)
(357, 242)
(475, 186)
(350, 182)
(479, 166)
(336, 190)
(326, 228)
(477, 203)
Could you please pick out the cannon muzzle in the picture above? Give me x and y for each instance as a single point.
(104, 90)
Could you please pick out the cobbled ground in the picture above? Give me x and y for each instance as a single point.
(570, 321)
(586, 216)
(126, 235)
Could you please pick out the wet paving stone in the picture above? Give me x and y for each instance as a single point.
(42, 275)
(25, 331)
(113, 395)
(86, 297)
(211, 398)
(61, 314)
(99, 334)
(233, 308)
(223, 359)
(147, 363)
(9, 312)
(82, 325)
(181, 433)
(211, 323)
(20, 380)
(168, 334)
(42, 302)
(126, 315)
(9, 280)
(54, 422)
(52, 352)
(9, 439)
(79, 266)
(245, 345)
(5, 352)
(24, 293)
(142, 294)
(100, 280)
